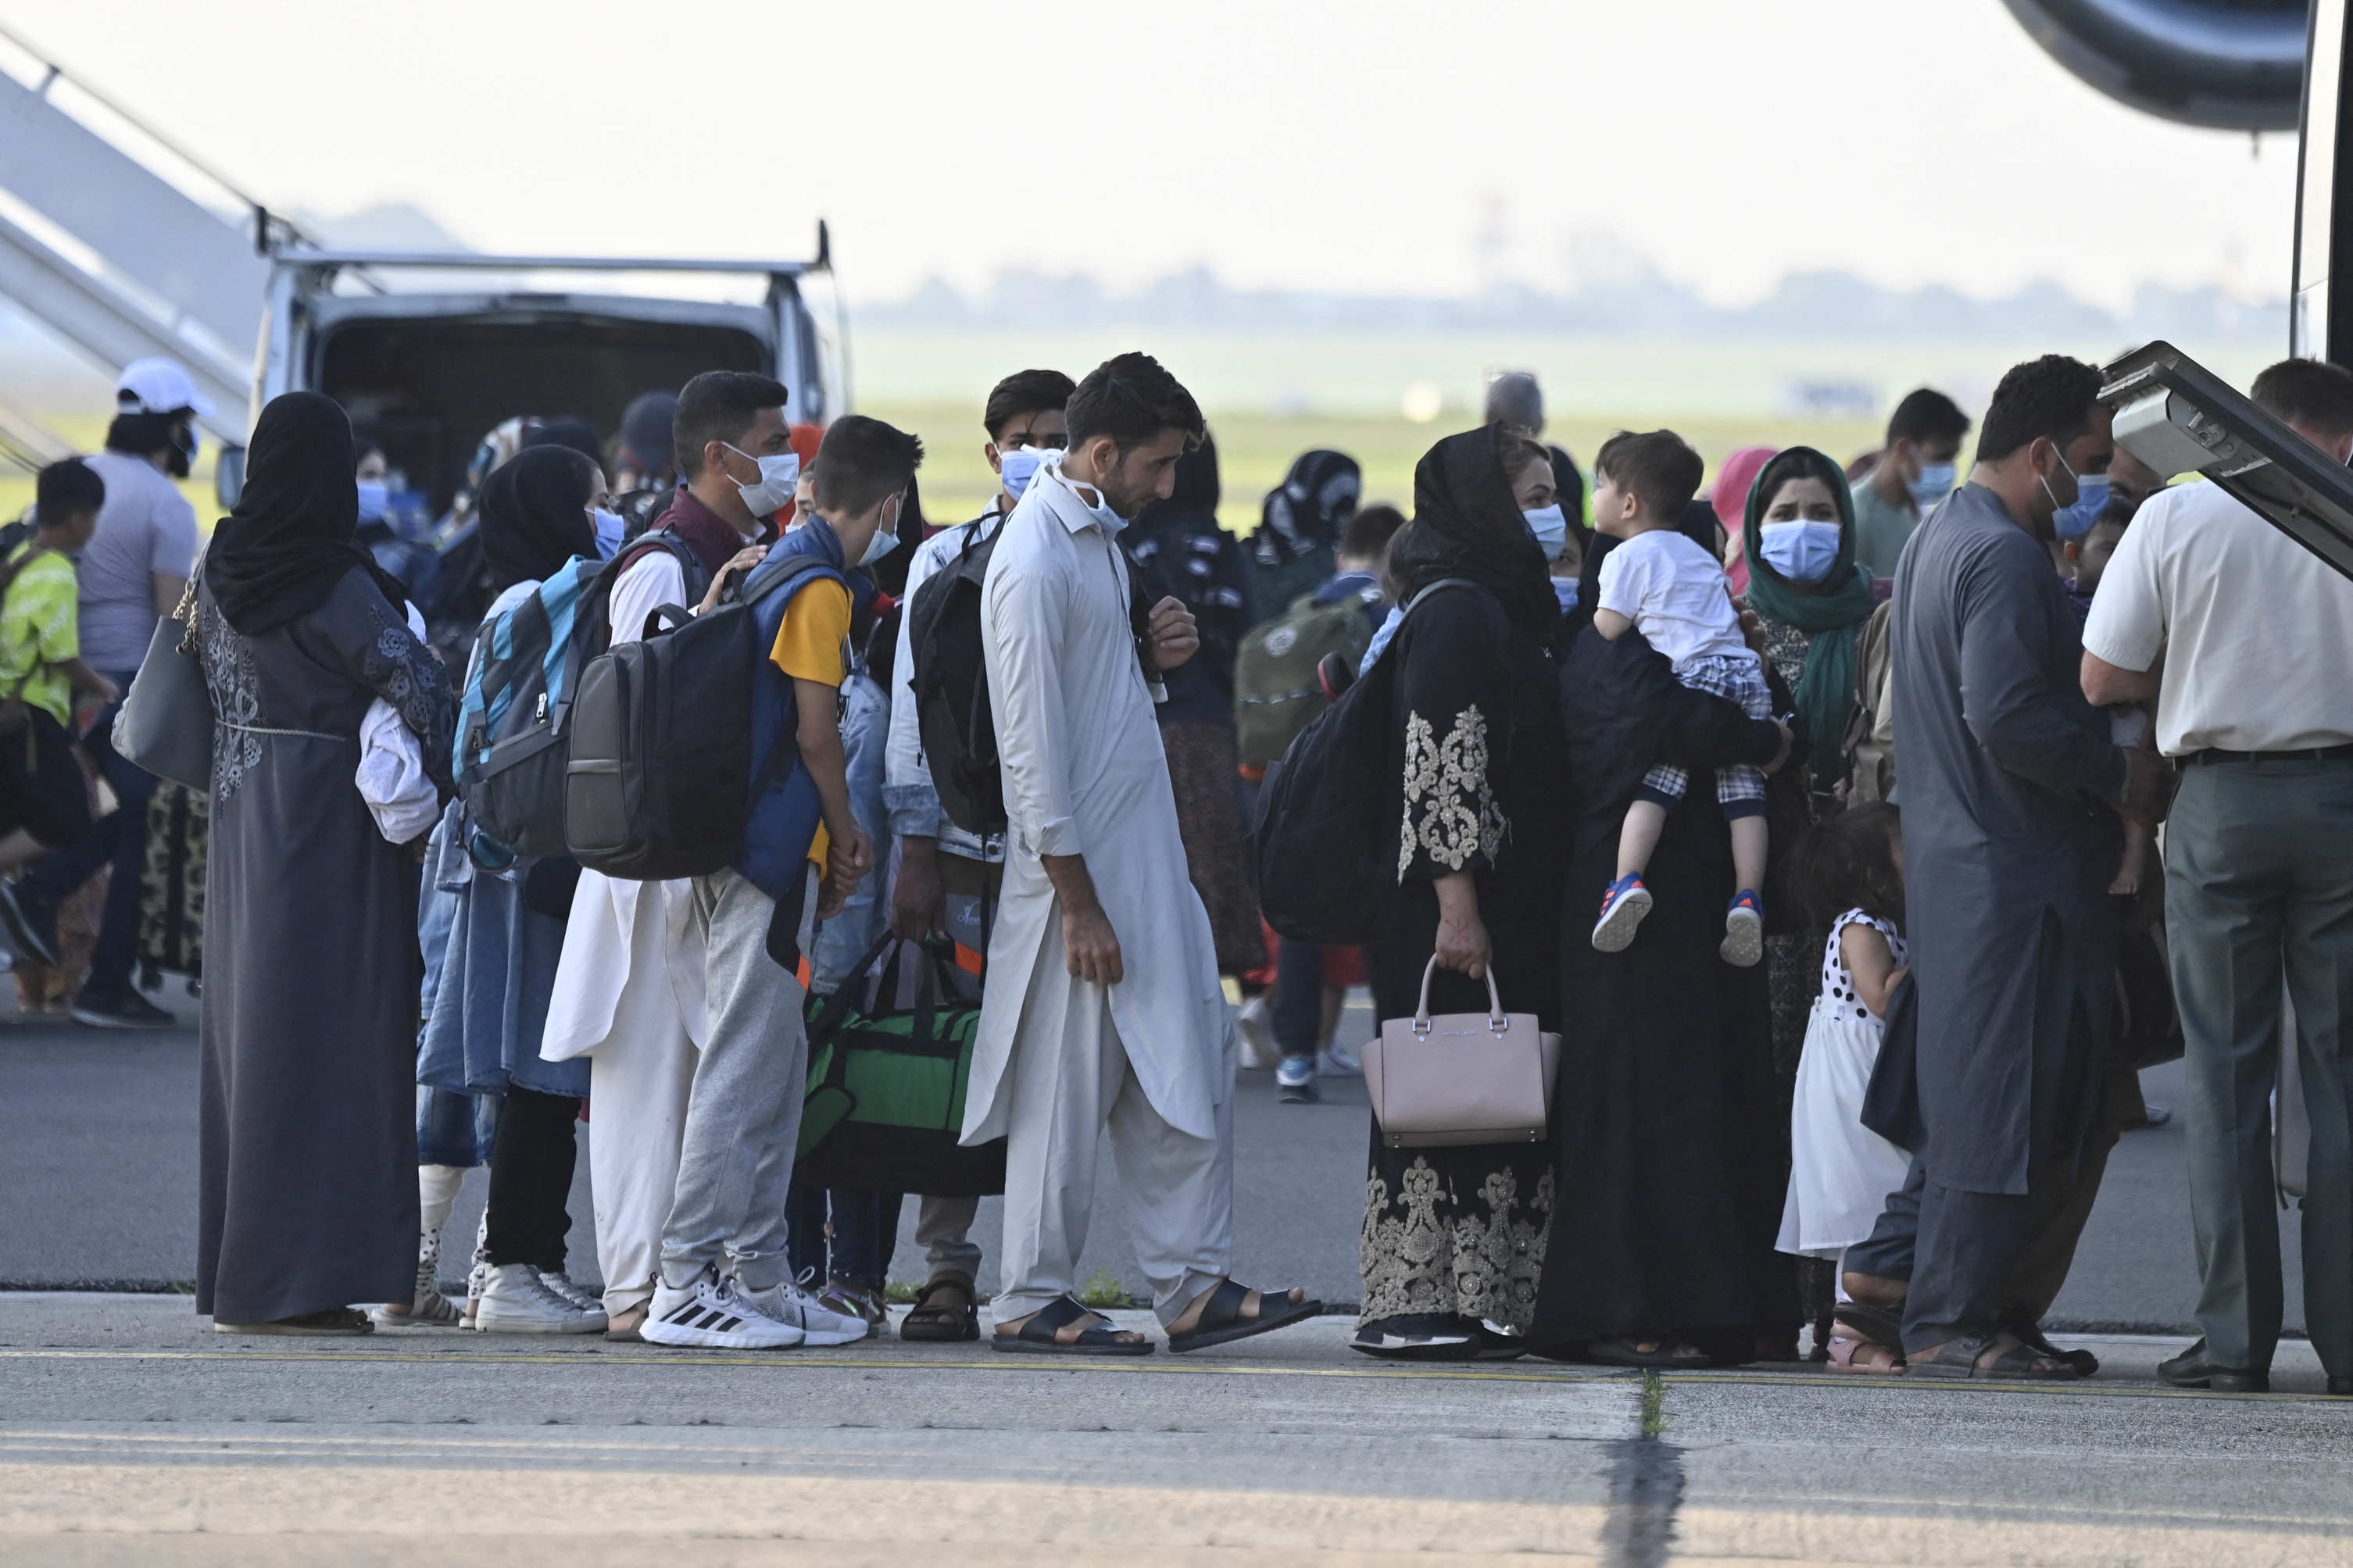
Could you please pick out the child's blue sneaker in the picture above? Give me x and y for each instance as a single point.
(1622, 908)
(1744, 929)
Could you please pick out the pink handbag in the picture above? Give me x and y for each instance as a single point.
(1461, 1077)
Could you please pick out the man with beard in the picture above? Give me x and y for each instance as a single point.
(1104, 1009)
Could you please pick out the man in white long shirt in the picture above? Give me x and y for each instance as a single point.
(947, 877)
(1105, 1009)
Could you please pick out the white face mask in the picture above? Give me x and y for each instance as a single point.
(1935, 483)
(1017, 466)
(1099, 508)
(1550, 526)
(886, 537)
(779, 475)
(610, 529)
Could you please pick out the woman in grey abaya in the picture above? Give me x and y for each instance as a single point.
(309, 1142)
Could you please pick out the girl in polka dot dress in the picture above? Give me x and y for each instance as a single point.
(1850, 872)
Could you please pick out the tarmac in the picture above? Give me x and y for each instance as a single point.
(130, 1433)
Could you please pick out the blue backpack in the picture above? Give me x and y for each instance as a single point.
(514, 718)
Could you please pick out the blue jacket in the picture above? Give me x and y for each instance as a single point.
(785, 817)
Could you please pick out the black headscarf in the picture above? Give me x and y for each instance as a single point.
(1310, 509)
(291, 539)
(1467, 523)
(534, 508)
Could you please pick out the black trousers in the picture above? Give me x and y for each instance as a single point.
(530, 1178)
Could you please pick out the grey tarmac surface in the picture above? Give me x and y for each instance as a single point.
(98, 1147)
(130, 1434)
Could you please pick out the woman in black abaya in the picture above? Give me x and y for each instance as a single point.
(1456, 1235)
(1669, 1131)
(308, 1139)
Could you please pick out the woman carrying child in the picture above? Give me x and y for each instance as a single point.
(1849, 874)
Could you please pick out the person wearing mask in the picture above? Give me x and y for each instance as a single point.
(308, 1195)
(1513, 397)
(1176, 550)
(629, 992)
(1914, 470)
(1299, 526)
(1107, 1015)
(1311, 982)
(1454, 1237)
(133, 572)
(2210, 611)
(484, 1027)
(2132, 481)
(2011, 787)
(948, 879)
(725, 1278)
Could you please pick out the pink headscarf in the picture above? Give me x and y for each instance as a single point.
(1730, 500)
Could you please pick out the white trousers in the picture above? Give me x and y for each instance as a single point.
(1064, 1090)
(638, 1076)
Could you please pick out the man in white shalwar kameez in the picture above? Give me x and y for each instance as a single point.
(1104, 1007)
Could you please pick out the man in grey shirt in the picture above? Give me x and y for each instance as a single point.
(133, 572)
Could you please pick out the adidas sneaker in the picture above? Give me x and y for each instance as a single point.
(712, 1314)
(818, 1324)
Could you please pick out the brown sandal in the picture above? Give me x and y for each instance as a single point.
(1848, 1351)
(942, 1322)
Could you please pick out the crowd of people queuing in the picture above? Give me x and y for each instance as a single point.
(1848, 1029)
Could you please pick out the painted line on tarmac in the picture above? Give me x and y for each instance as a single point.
(1075, 1364)
(2070, 1388)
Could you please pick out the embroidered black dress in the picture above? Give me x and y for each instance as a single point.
(308, 1050)
(1484, 757)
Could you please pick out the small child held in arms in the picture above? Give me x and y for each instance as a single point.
(1660, 583)
(1849, 874)
(2128, 723)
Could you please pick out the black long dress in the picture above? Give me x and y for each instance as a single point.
(308, 1049)
(1481, 749)
(1671, 1172)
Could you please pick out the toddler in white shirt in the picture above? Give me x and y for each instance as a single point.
(1660, 583)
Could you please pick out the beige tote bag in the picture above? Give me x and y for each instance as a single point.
(1461, 1077)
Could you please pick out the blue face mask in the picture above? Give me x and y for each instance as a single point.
(1099, 508)
(610, 529)
(374, 496)
(2091, 499)
(1800, 552)
(1564, 590)
(1551, 528)
(1017, 466)
(1935, 483)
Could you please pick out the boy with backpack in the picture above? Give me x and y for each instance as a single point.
(44, 802)
(725, 1275)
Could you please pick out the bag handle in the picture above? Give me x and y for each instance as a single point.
(1498, 1022)
(838, 1007)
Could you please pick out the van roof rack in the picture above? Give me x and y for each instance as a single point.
(320, 256)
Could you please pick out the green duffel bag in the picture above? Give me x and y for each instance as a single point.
(886, 1094)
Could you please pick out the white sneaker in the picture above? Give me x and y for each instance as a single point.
(561, 1283)
(1336, 1060)
(429, 1310)
(713, 1314)
(1259, 1053)
(516, 1301)
(818, 1324)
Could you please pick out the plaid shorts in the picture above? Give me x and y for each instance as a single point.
(1740, 789)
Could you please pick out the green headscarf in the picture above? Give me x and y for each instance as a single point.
(1825, 693)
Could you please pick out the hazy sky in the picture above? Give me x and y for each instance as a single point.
(1370, 146)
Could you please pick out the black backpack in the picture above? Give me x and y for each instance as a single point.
(956, 725)
(1325, 839)
(658, 784)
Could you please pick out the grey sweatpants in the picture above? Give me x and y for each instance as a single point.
(744, 1112)
(2258, 885)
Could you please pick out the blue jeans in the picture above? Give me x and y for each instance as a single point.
(120, 838)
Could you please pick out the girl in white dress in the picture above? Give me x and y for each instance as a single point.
(1850, 873)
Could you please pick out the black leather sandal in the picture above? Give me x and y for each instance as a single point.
(1037, 1335)
(1221, 1320)
(942, 1322)
(1958, 1359)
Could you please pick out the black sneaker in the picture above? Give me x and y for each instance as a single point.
(127, 1011)
(21, 915)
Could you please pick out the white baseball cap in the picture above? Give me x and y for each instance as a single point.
(157, 386)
